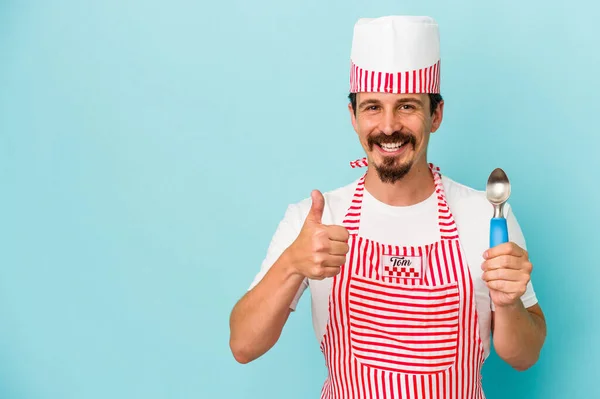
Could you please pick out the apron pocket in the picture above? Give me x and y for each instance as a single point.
(406, 329)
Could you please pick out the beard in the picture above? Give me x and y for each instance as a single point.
(390, 170)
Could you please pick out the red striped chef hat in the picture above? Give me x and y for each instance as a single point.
(395, 54)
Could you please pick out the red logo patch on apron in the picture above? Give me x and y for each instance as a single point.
(398, 266)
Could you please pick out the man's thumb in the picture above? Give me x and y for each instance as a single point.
(318, 204)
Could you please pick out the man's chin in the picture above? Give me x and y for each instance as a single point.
(391, 161)
(393, 171)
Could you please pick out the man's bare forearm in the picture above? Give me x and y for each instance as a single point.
(258, 318)
(318, 252)
(519, 334)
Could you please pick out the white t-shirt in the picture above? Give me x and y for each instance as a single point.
(405, 226)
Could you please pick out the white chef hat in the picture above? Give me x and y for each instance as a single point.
(395, 54)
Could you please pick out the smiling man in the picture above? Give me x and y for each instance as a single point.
(405, 292)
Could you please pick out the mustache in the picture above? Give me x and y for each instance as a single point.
(395, 137)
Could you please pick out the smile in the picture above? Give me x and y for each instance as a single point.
(392, 148)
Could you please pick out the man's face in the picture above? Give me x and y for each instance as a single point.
(394, 130)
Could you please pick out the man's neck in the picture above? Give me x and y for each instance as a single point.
(413, 188)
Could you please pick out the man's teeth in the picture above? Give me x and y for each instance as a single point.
(390, 146)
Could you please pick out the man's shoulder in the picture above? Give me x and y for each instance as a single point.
(466, 202)
(336, 201)
(457, 191)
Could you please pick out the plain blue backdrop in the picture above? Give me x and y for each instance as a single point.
(148, 150)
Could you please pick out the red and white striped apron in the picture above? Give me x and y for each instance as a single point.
(402, 320)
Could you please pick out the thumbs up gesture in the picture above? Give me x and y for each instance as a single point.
(319, 250)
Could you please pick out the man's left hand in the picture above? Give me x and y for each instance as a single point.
(506, 271)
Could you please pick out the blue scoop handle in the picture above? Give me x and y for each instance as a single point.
(498, 232)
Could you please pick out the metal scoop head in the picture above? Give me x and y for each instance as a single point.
(498, 190)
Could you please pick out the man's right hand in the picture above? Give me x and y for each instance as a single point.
(319, 250)
(258, 318)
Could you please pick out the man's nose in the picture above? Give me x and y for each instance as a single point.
(389, 123)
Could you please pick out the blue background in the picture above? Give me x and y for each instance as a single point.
(148, 150)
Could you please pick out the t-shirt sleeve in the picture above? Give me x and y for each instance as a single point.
(285, 234)
(515, 234)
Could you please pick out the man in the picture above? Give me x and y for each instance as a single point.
(405, 291)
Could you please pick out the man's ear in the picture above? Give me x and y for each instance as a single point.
(352, 116)
(437, 117)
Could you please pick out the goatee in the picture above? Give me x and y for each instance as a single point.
(388, 171)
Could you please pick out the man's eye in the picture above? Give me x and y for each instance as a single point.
(407, 107)
(372, 108)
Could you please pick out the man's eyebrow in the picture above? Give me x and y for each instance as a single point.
(410, 100)
(370, 101)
